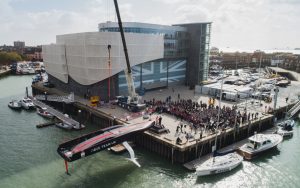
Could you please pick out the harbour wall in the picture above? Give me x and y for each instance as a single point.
(172, 152)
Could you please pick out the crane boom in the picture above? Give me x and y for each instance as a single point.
(128, 73)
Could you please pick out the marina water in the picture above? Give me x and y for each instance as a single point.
(28, 158)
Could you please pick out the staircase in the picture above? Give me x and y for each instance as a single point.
(294, 109)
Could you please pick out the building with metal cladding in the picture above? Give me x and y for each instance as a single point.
(160, 56)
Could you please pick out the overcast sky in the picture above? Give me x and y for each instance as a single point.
(240, 24)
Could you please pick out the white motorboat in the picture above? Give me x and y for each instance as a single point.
(44, 113)
(14, 104)
(30, 70)
(286, 130)
(259, 143)
(64, 125)
(27, 103)
(219, 164)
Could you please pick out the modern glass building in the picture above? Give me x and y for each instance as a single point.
(186, 50)
(160, 56)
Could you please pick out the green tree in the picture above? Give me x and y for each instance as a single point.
(9, 57)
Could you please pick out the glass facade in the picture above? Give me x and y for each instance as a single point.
(204, 52)
(155, 74)
(185, 43)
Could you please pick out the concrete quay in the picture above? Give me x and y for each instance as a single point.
(165, 144)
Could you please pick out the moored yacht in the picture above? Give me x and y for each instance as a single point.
(27, 103)
(219, 164)
(259, 143)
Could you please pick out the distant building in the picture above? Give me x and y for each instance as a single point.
(33, 53)
(235, 60)
(19, 46)
(160, 56)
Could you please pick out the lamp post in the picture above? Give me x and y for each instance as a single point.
(45, 96)
(235, 119)
(79, 115)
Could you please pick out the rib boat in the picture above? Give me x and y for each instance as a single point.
(285, 131)
(44, 113)
(287, 122)
(16, 105)
(258, 144)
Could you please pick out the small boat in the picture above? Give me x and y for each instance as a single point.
(119, 148)
(219, 164)
(259, 143)
(78, 126)
(64, 125)
(286, 130)
(44, 113)
(14, 104)
(288, 122)
(27, 103)
(282, 83)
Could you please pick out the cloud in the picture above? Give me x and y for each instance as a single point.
(239, 24)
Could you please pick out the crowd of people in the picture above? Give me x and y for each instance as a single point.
(201, 115)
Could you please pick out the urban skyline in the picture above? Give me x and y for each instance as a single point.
(266, 24)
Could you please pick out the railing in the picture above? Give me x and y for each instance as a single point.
(294, 109)
(56, 98)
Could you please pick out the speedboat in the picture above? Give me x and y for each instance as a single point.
(259, 143)
(64, 125)
(44, 113)
(286, 130)
(14, 104)
(219, 164)
(288, 122)
(27, 103)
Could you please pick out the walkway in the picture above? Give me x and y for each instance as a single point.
(57, 114)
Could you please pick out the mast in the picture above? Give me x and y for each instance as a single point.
(219, 111)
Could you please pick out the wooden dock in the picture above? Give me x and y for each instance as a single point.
(57, 114)
(47, 124)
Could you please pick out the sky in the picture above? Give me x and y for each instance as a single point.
(237, 24)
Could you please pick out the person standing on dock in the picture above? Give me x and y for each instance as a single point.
(159, 120)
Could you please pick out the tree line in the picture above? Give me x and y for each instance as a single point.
(10, 57)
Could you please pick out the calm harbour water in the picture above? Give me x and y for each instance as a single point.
(28, 158)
